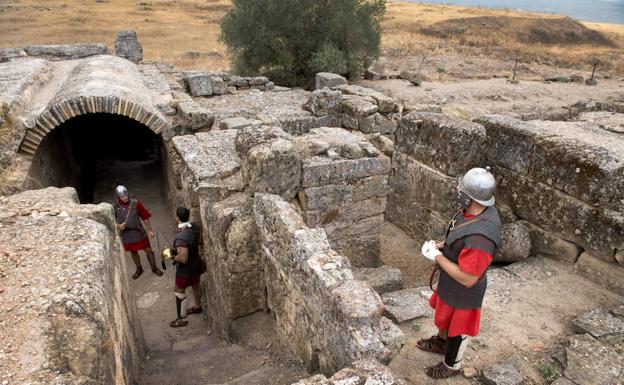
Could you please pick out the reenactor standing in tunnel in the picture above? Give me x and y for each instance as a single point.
(462, 258)
(128, 214)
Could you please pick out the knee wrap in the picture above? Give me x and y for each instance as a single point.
(181, 304)
(455, 347)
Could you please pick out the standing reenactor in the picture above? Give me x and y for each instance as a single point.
(128, 214)
(463, 259)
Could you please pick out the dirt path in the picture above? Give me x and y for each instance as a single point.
(191, 354)
(472, 98)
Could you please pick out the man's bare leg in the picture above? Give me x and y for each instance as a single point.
(197, 294)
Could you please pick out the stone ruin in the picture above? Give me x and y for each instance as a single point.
(292, 189)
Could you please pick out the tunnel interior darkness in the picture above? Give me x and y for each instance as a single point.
(75, 152)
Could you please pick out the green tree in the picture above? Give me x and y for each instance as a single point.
(291, 40)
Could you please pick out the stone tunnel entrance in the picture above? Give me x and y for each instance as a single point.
(93, 152)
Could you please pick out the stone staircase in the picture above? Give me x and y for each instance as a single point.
(207, 360)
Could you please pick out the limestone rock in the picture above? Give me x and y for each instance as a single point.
(599, 323)
(328, 79)
(321, 171)
(270, 163)
(383, 279)
(446, 144)
(237, 123)
(547, 244)
(391, 335)
(406, 304)
(11, 53)
(618, 311)
(199, 84)
(258, 81)
(609, 275)
(591, 363)
(384, 103)
(318, 379)
(67, 51)
(377, 123)
(218, 85)
(356, 109)
(193, 116)
(516, 243)
(416, 107)
(127, 46)
(619, 257)
(324, 102)
(502, 374)
(382, 143)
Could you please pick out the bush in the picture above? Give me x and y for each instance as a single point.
(291, 40)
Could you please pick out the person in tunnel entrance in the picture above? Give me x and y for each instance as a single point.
(129, 213)
(462, 259)
(189, 266)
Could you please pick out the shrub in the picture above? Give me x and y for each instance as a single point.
(291, 40)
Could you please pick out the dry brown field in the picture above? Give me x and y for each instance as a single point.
(169, 29)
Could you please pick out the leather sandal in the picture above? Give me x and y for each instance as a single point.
(177, 323)
(441, 371)
(137, 273)
(157, 271)
(433, 344)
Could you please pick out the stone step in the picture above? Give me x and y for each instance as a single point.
(383, 279)
(407, 304)
(188, 364)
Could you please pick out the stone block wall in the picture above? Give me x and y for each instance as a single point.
(325, 316)
(66, 310)
(562, 180)
(344, 182)
(200, 83)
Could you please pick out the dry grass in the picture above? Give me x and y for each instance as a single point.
(168, 29)
(405, 22)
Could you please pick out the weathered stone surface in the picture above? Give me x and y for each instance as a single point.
(599, 323)
(415, 182)
(406, 304)
(318, 379)
(414, 218)
(325, 198)
(598, 231)
(610, 121)
(198, 84)
(321, 171)
(562, 381)
(237, 123)
(581, 160)
(344, 213)
(328, 79)
(324, 102)
(362, 251)
(607, 274)
(127, 46)
(449, 145)
(391, 335)
(547, 244)
(218, 85)
(382, 143)
(234, 259)
(385, 103)
(270, 163)
(383, 279)
(618, 311)
(371, 226)
(362, 372)
(510, 141)
(377, 123)
(326, 318)
(67, 51)
(356, 109)
(191, 115)
(238, 81)
(416, 107)
(257, 81)
(516, 244)
(67, 317)
(502, 374)
(11, 53)
(591, 363)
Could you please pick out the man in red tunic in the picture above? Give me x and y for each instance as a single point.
(128, 214)
(463, 258)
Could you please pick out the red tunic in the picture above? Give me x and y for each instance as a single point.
(462, 321)
(143, 214)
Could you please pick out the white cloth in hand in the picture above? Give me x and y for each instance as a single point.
(429, 250)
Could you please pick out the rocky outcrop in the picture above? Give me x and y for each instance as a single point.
(362, 372)
(67, 313)
(127, 46)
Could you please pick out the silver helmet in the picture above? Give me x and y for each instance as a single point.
(480, 185)
(120, 191)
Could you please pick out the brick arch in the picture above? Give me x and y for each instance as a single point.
(67, 109)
